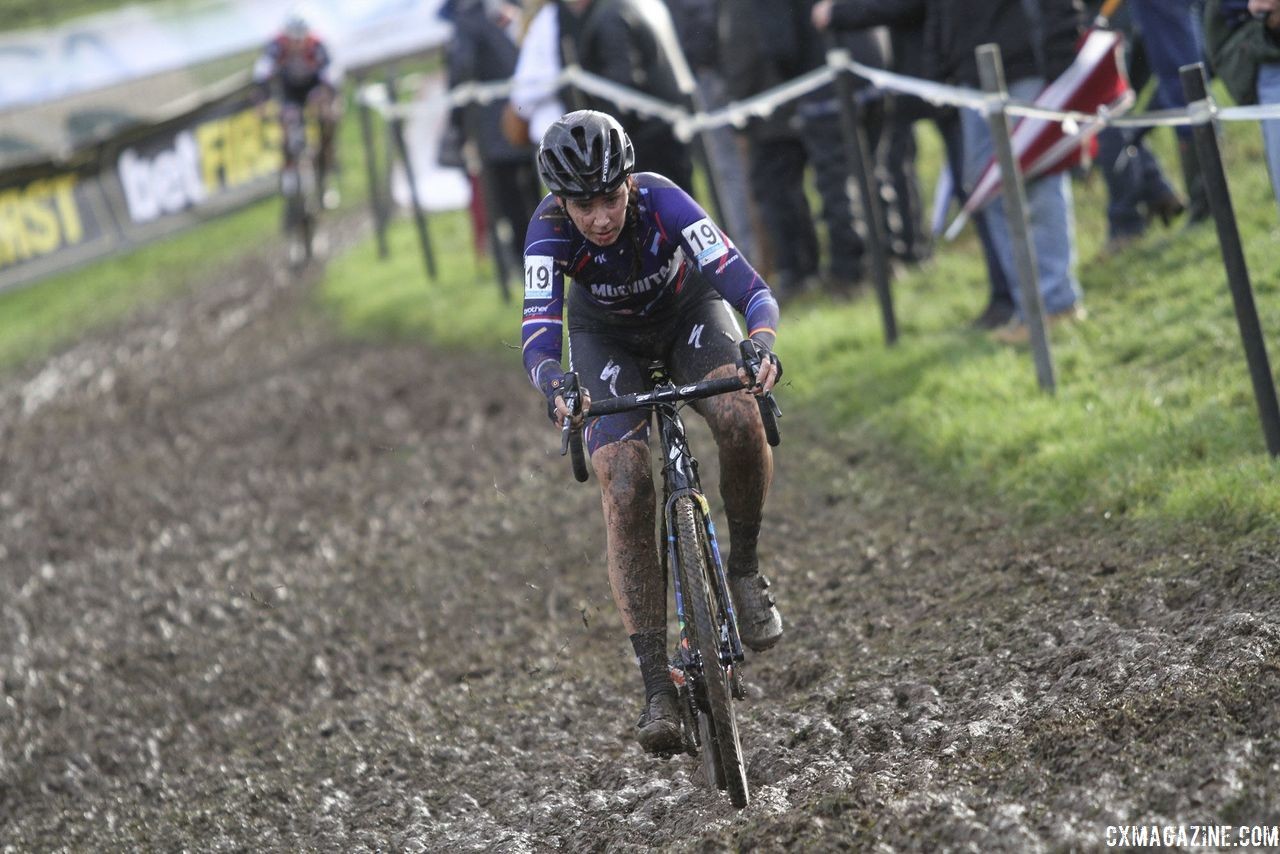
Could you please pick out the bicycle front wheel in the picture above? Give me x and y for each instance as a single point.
(703, 610)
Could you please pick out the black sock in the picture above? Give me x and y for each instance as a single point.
(650, 646)
(742, 548)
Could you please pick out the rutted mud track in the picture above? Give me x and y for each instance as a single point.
(264, 589)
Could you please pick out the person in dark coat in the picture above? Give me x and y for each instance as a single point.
(905, 21)
(482, 51)
(1173, 38)
(765, 54)
(896, 155)
(843, 214)
(698, 29)
(634, 44)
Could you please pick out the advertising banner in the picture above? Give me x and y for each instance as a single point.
(51, 217)
(216, 158)
(150, 182)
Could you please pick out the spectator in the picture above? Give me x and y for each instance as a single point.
(953, 31)
(697, 28)
(1173, 39)
(535, 101)
(905, 20)
(1243, 40)
(482, 51)
(633, 43)
(843, 213)
(1137, 190)
(896, 155)
(763, 56)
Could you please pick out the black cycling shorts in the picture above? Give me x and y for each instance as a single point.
(612, 353)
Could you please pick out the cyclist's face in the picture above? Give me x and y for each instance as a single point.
(600, 218)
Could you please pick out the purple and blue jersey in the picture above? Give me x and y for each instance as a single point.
(642, 275)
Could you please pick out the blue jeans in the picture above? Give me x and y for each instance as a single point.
(1171, 34)
(1049, 209)
(1269, 93)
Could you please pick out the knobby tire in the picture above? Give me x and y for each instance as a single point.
(721, 736)
(299, 216)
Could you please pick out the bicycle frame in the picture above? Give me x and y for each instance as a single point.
(680, 477)
(298, 184)
(297, 150)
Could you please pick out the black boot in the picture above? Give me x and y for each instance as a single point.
(1197, 197)
(658, 729)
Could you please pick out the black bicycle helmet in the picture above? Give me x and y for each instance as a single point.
(585, 153)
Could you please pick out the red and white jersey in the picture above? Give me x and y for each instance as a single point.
(299, 64)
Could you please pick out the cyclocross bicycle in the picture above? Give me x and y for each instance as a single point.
(706, 665)
(299, 185)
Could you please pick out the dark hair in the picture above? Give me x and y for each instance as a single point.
(585, 153)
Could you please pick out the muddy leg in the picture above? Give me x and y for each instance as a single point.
(635, 575)
(627, 494)
(746, 469)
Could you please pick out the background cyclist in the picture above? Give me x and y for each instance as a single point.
(653, 277)
(296, 63)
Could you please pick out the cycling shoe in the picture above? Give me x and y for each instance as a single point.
(658, 730)
(759, 623)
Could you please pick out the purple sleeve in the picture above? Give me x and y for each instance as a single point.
(542, 328)
(711, 251)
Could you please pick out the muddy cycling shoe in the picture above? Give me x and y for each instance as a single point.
(659, 728)
(759, 623)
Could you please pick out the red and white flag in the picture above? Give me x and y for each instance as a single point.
(1096, 83)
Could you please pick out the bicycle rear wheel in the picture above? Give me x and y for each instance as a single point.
(721, 734)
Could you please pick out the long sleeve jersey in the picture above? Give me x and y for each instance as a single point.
(299, 66)
(673, 236)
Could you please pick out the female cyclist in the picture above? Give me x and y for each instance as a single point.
(654, 279)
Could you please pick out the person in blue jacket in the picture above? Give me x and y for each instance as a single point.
(652, 277)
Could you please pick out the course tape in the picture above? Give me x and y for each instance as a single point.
(687, 123)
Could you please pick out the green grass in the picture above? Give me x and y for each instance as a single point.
(36, 319)
(20, 14)
(463, 308)
(1153, 423)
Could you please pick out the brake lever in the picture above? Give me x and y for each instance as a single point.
(573, 400)
(750, 361)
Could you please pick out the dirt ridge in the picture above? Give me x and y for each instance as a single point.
(265, 588)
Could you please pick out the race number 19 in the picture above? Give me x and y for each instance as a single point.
(537, 276)
(706, 241)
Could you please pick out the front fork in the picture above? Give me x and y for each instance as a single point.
(729, 642)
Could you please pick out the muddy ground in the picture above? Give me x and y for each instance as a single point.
(265, 589)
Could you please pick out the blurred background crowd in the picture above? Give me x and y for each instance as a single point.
(781, 185)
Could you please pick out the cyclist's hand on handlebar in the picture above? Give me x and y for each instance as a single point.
(558, 408)
(561, 410)
(768, 372)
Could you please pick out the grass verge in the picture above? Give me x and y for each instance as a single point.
(36, 319)
(1153, 423)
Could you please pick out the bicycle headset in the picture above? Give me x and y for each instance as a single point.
(585, 153)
